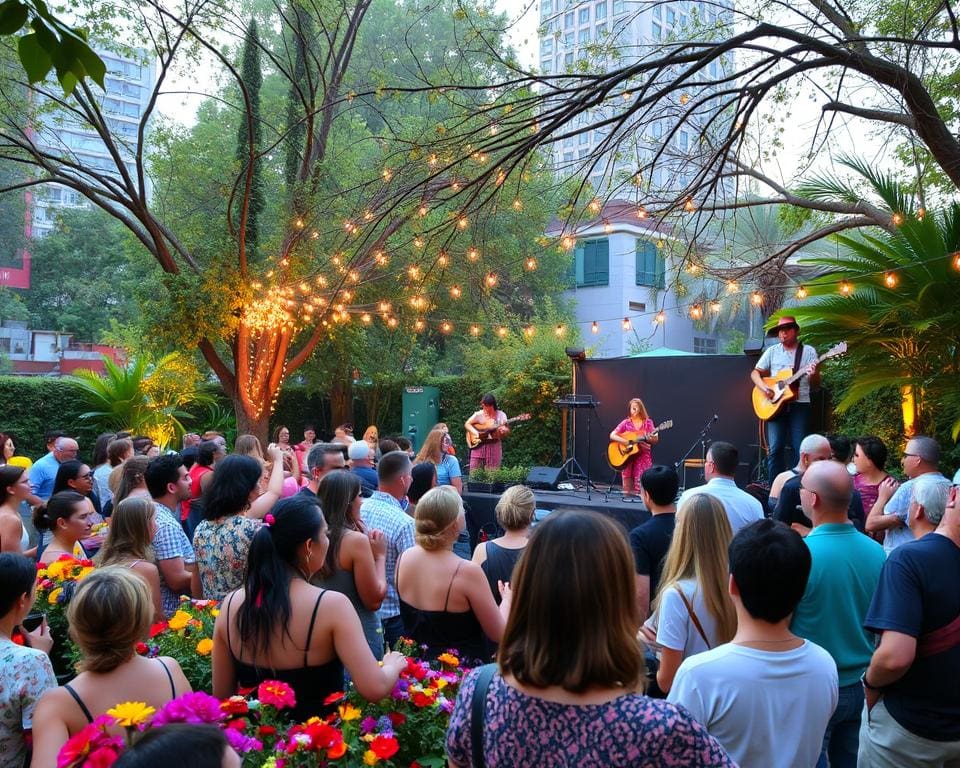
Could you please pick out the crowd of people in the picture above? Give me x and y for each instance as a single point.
(819, 627)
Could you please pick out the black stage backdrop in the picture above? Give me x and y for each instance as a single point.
(688, 390)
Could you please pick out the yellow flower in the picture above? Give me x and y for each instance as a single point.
(131, 713)
(179, 621)
(440, 683)
(54, 594)
(370, 757)
(448, 658)
(349, 712)
(216, 612)
(55, 569)
(205, 646)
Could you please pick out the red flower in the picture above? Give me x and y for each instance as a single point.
(237, 724)
(157, 628)
(422, 699)
(142, 649)
(397, 718)
(102, 758)
(235, 705)
(267, 730)
(415, 669)
(333, 698)
(384, 747)
(17, 638)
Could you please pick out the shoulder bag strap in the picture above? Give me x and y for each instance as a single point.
(798, 355)
(693, 617)
(477, 709)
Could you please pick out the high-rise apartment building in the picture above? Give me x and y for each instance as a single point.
(624, 299)
(127, 88)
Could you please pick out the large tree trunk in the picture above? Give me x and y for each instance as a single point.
(247, 425)
(341, 402)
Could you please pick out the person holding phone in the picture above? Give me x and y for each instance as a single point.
(25, 670)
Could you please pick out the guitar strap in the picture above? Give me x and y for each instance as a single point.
(797, 356)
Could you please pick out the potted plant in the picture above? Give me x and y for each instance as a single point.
(516, 475)
(479, 480)
(498, 479)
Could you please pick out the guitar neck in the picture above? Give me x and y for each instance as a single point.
(800, 374)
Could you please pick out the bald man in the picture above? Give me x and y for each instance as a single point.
(844, 575)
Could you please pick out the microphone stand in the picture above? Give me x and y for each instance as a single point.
(702, 441)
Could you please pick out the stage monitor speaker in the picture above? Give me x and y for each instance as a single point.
(545, 478)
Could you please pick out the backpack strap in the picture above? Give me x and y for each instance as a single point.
(797, 356)
(693, 617)
(477, 707)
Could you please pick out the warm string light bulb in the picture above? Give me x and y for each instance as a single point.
(530, 264)
(594, 327)
(642, 213)
(956, 260)
(474, 330)
(890, 279)
(756, 299)
(463, 222)
(921, 214)
(595, 206)
(689, 206)
(473, 254)
(366, 318)
(845, 288)
(627, 325)
(419, 325)
(732, 286)
(529, 331)
(660, 318)
(560, 330)
(455, 291)
(696, 312)
(897, 219)
(491, 280)
(518, 205)
(568, 242)
(802, 292)
(443, 259)
(446, 326)
(607, 227)
(502, 331)
(714, 306)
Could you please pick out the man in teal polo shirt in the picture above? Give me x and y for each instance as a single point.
(845, 573)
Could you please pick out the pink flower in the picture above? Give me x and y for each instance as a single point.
(276, 693)
(242, 743)
(194, 707)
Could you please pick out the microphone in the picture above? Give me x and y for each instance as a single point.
(715, 417)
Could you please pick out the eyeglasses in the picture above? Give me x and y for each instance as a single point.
(908, 455)
(88, 476)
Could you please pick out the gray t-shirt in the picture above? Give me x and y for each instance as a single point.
(776, 358)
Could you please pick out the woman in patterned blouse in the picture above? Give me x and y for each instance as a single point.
(568, 689)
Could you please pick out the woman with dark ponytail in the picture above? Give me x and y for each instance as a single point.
(275, 627)
(67, 515)
(14, 489)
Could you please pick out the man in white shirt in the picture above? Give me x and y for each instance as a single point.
(719, 469)
(767, 695)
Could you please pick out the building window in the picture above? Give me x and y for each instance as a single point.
(546, 8)
(636, 306)
(592, 263)
(568, 60)
(568, 157)
(546, 46)
(584, 138)
(704, 346)
(600, 11)
(584, 36)
(656, 31)
(546, 66)
(568, 40)
(671, 17)
(683, 140)
(650, 267)
(619, 6)
(582, 153)
(568, 20)
(601, 31)
(657, 12)
(584, 15)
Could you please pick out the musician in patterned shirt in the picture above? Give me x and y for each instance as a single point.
(490, 424)
(638, 422)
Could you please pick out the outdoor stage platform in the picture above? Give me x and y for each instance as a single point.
(481, 515)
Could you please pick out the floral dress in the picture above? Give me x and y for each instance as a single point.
(25, 673)
(222, 547)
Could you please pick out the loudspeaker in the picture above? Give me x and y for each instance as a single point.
(545, 478)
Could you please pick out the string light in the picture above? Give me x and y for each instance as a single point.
(423, 211)
(559, 330)
(714, 306)
(696, 312)
(802, 292)
(381, 258)
(607, 227)
(387, 174)
(568, 242)
(642, 212)
(474, 330)
(661, 318)
(529, 331)
(921, 213)
(956, 260)
(845, 288)
(689, 205)
(731, 286)
(626, 324)
(384, 306)
(595, 327)
(455, 291)
(518, 205)
(414, 271)
(418, 242)
(392, 322)
(491, 280)
(530, 264)
(502, 332)
(890, 279)
(419, 325)
(365, 318)
(473, 254)
(463, 222)
(684, 98)
(756, 299)
(897, 219)
(595, 206)
(446, 326)
(693, 268)
(299, 224)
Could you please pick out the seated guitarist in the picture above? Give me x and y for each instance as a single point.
(640, 423)
(490, 424)
(791, 422)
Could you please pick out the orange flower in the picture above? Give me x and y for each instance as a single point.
(205, 646)
(449, 659)
(385, 747)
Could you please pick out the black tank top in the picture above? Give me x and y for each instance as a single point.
(499, 566)
(311, 685)
(442, 630)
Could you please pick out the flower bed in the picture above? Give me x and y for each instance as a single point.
(405, 730)
(187, 636)
(56, 584)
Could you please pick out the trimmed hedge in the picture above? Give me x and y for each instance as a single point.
(32, 405)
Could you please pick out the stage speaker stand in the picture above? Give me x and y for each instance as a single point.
(545, 478)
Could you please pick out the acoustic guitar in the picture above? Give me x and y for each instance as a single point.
(619, 454)
(768, 407)
(487, 429)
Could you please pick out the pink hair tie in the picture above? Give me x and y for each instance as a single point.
(269, 520)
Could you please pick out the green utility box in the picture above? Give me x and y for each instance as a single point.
(421, 410)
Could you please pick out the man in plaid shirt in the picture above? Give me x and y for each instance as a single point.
(168, 483)
(382, 511)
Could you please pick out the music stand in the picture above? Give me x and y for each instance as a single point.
(571, 466)
(702, 442)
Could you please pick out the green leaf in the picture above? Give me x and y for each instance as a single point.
(35, 60)
(13, 15)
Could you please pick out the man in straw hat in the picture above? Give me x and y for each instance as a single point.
(792, 420)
